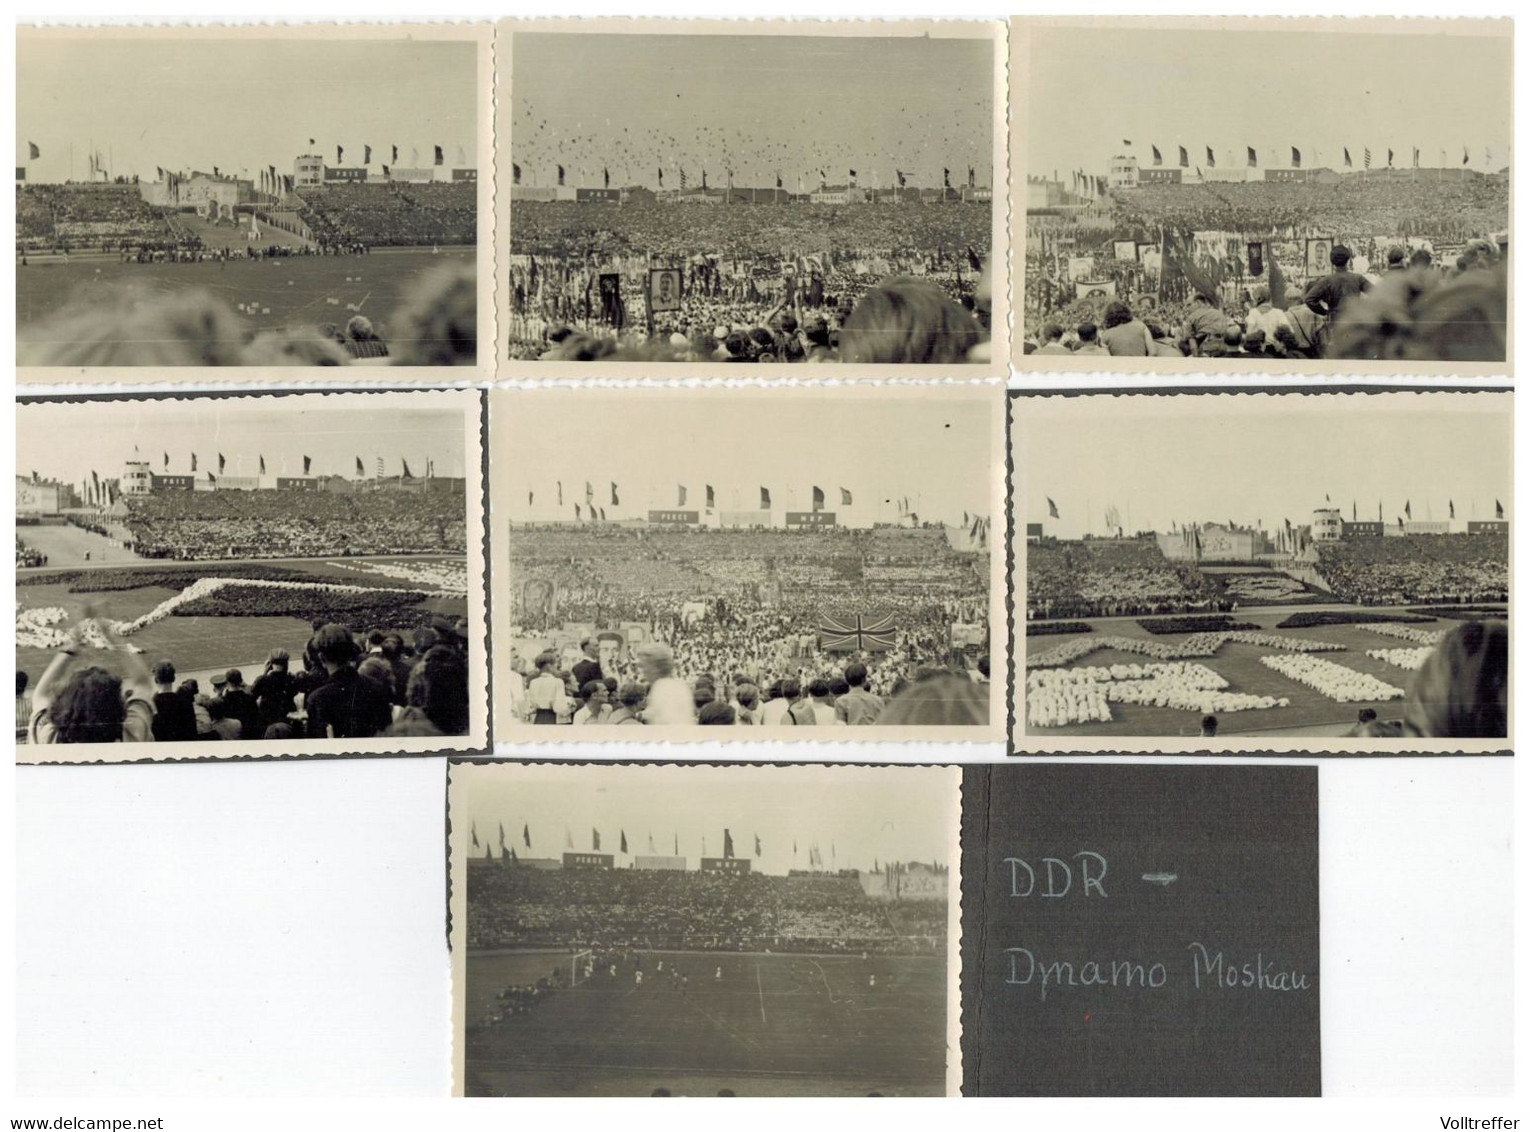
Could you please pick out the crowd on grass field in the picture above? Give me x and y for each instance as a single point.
(822, 912)
(734, 624)
(1434, 287)
(757, 284)
(346, 683)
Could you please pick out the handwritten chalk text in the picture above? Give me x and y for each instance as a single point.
(1208, 969)
(1022, 875)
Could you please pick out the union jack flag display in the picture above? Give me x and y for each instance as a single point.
(855, 634)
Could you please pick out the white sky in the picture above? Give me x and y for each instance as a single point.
(239, 104)
(1217, 458)
(1090, 88)
(66, 441)
(785, 104)
(860, 814)
(935, 451)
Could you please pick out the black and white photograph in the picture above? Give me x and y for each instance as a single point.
(248, 575)
(709, 192)
(1285, 195)
(727, 931)
(1247, 571)
(305, 195)
(1150, 931)
(750, 558)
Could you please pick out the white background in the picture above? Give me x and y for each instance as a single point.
(228, 946)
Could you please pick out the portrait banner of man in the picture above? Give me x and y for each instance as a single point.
(664, 289)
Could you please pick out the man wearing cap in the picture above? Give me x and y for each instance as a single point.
(1326, 296)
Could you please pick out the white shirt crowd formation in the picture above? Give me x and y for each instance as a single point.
(1194, 645)
(1340, 684)
(1408, 633)
(1058, 697)
(1411, 659)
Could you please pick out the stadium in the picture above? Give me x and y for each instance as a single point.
(249, 245)
(783, 580)
(222, 566)
(668, 221)
(1145, 635)
(1373, 227)
(1327, 621)
(776, 964)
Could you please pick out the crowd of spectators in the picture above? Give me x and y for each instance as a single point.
(1420, 569)
(1416, 272)
(1113, 578)
(668, 910)
(89, 217)
(347, 683)
(28, 556)
(353, 217)
(768, 283)
(194, 525)
(750, 644)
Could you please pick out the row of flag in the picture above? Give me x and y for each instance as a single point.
(728, 850)
(685, 180)
(381, 465)
(1113, 515)
(1296, 156)
(682, 496)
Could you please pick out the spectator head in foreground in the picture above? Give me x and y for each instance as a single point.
(1416, 316)
(438, 325)
(940, 701)
(179, 330)
(89, 708)
(1462, 690)
(717, 713)
(904, 320)
(656, 660)
(1209, 725)
(335, 645)
(438, 689)
(1340, 257)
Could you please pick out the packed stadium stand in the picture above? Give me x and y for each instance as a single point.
(520, 906)
(1111, 579)
(288, 524)
(1423, 568)
(88, 217)
(391, 215)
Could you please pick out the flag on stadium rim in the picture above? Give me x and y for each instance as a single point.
(560, 493)
(1253, 158)
(526, 834)
(407, 474)
(1211, 157)
(711, 498)
(844, 497)
(560, 169)
(727, 844)
(757, 849)
(1367, 157)
(1184, 158)
(262, 465)
(33, 153)
(1157, 157)
(361, 470)
(1348, 164)
(1052, 508)
(366, 155)
(616, 499)
(395, 155)
(441, 159)
(501, 835)
(1296, 158)
(589, 492)
(595, 838)
(764, 499)
(474, 831)
(624, 840)
(307, 464)
(1497, 509)
(680, 492)
(817, 498)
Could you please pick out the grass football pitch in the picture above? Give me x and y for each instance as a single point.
(773, 1025)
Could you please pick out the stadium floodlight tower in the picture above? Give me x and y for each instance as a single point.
(136, 478)
(1327, 524)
